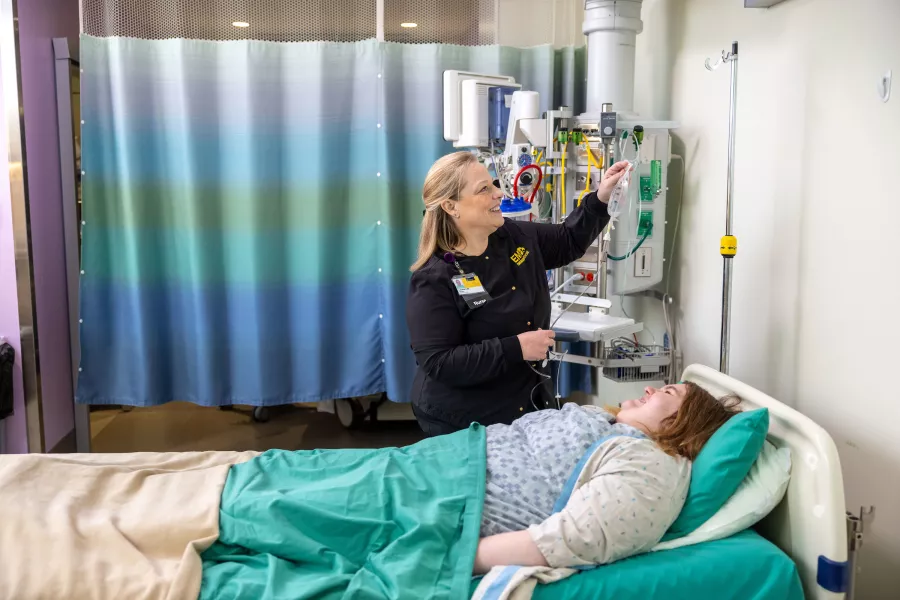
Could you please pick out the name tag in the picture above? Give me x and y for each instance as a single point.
(469, 288)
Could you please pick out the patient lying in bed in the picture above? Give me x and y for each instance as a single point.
(639, 482)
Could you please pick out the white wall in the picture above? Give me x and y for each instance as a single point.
(816, 285)
(815, 282)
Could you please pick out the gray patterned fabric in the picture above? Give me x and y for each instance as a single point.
(529, 462)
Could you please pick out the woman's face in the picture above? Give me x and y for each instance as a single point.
(478, 206)
(656, 405)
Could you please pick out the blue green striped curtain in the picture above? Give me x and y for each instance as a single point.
(251, 210)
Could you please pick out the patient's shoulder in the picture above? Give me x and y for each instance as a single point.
(639, 458)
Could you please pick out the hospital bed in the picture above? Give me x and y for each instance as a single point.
(126, 525)
(801, 543)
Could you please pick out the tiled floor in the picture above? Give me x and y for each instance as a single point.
(179, 427)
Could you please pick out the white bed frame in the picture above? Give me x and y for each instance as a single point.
(811, 521)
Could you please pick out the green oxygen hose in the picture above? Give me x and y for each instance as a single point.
(633, 250)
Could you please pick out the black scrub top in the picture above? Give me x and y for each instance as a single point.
(469, 361)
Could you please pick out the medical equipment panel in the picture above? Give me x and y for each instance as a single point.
(546, 164)
(637, 247)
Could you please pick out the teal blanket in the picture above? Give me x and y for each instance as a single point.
(361, 524)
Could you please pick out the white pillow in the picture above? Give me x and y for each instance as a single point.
(760, 492)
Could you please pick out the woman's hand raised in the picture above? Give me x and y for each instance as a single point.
(610, 179)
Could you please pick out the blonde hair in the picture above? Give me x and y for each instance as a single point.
(698, 418)
(444, 181)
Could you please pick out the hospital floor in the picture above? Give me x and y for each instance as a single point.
(180, 427)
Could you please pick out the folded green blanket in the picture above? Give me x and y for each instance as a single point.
(390, 523)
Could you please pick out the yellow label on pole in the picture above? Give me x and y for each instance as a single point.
(728, 245)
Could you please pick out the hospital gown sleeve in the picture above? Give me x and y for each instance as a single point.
(624, 509)
(568, 241)
(437, 332)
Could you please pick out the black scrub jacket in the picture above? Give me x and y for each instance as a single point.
(469, 361)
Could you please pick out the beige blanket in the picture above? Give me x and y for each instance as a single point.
(108, 525)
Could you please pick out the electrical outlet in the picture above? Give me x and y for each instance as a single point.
(642, 262)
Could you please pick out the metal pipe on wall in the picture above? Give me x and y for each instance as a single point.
(611, 27)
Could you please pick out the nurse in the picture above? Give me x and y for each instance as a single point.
(478, 307)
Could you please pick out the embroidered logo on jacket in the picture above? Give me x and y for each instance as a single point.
(519, 256)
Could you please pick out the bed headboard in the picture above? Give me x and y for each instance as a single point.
(811, 520)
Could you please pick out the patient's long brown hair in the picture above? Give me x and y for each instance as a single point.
(700, 416)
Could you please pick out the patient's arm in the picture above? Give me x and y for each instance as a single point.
(623, 510)
(516, 548)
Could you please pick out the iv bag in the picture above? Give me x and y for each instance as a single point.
(619, 194)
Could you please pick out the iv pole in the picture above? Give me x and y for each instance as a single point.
(728, 248)
(728, 244)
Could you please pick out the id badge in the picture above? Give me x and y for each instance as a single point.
(469, 288)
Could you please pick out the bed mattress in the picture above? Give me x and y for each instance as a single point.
(745, 566)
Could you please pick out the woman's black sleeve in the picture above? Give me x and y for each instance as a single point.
(436, 331)
(568, 241)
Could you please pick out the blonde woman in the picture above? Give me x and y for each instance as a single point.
(478, 308)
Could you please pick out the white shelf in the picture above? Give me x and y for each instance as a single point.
(595, 327)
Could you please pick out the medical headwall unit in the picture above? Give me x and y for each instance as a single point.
(546, 164)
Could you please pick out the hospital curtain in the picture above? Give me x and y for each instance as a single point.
(251, 210)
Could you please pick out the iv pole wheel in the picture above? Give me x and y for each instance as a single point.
(349, 412)
(260, 414)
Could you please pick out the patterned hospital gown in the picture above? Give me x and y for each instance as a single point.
(634, 494)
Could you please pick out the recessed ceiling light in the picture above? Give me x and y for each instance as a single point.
(409, 25)
(241, 24)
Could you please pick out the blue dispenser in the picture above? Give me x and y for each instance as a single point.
(499, 99)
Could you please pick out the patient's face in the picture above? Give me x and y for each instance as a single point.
(655, 406)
